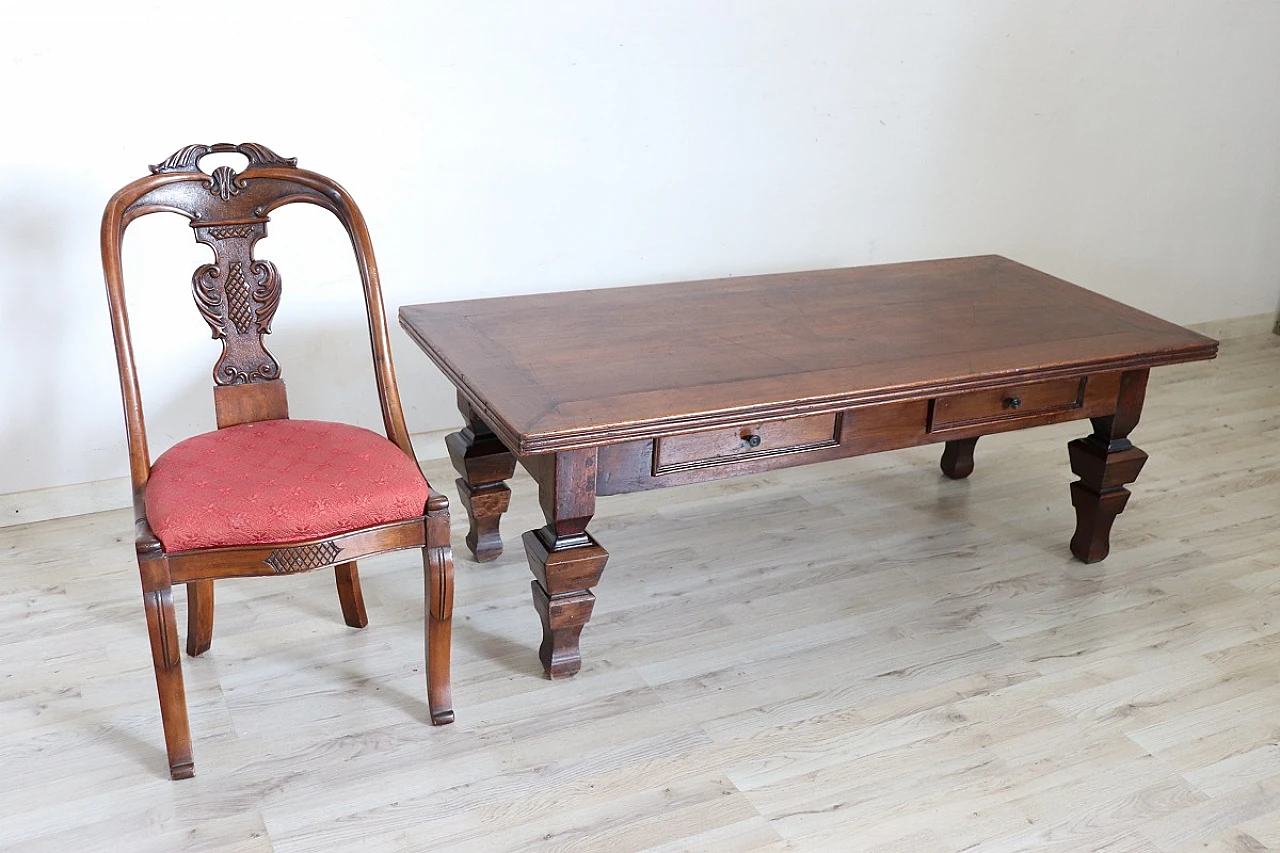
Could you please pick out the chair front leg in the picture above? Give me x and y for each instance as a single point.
(437, 563)
(166, 655)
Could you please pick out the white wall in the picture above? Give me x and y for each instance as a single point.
(503, 147)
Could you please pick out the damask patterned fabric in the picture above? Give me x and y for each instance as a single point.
(279, 481)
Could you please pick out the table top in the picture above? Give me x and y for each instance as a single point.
(558, 371)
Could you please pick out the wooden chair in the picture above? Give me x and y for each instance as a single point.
(264, 495)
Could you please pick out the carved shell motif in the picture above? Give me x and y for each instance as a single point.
(187, 159)
(224, 182)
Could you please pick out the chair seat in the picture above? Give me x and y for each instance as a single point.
(279, 481)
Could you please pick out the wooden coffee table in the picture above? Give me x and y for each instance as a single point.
(603, 392)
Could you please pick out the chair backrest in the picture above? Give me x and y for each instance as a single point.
(237, 294)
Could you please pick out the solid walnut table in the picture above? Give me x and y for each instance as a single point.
(602, 392)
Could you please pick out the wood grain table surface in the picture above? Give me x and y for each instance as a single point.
(553, 371)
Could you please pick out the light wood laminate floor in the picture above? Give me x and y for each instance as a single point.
(856, 656)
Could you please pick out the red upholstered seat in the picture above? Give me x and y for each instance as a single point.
(279, 481)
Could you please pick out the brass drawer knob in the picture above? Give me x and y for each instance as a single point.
(1013, 402)
(751, 440)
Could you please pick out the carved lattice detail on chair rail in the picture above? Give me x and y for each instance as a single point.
(303, 558)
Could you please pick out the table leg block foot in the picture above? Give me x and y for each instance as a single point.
(1100, 494)
(485, 506)
(564, 570)
(957, 458)
(484, 463)
(563, 618)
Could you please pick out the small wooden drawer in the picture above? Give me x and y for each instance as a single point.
(998, 404)
(746, 441)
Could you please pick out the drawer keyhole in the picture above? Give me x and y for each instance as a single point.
(1013, 402)
(751, 440)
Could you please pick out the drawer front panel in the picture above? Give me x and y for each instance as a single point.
(1014, 401)
(747, 441)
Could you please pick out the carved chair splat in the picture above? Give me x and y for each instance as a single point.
(257, 454)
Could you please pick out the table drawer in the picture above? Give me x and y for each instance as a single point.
(745, 441)
(1014, 401)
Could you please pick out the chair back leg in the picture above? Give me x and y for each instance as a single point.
(199, 617)
(349, 595)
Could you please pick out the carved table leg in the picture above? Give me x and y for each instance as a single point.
(957, 458)
(565, 560)
(1105, 462)
(484, 463)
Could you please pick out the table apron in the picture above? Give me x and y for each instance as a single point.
(726, 451)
